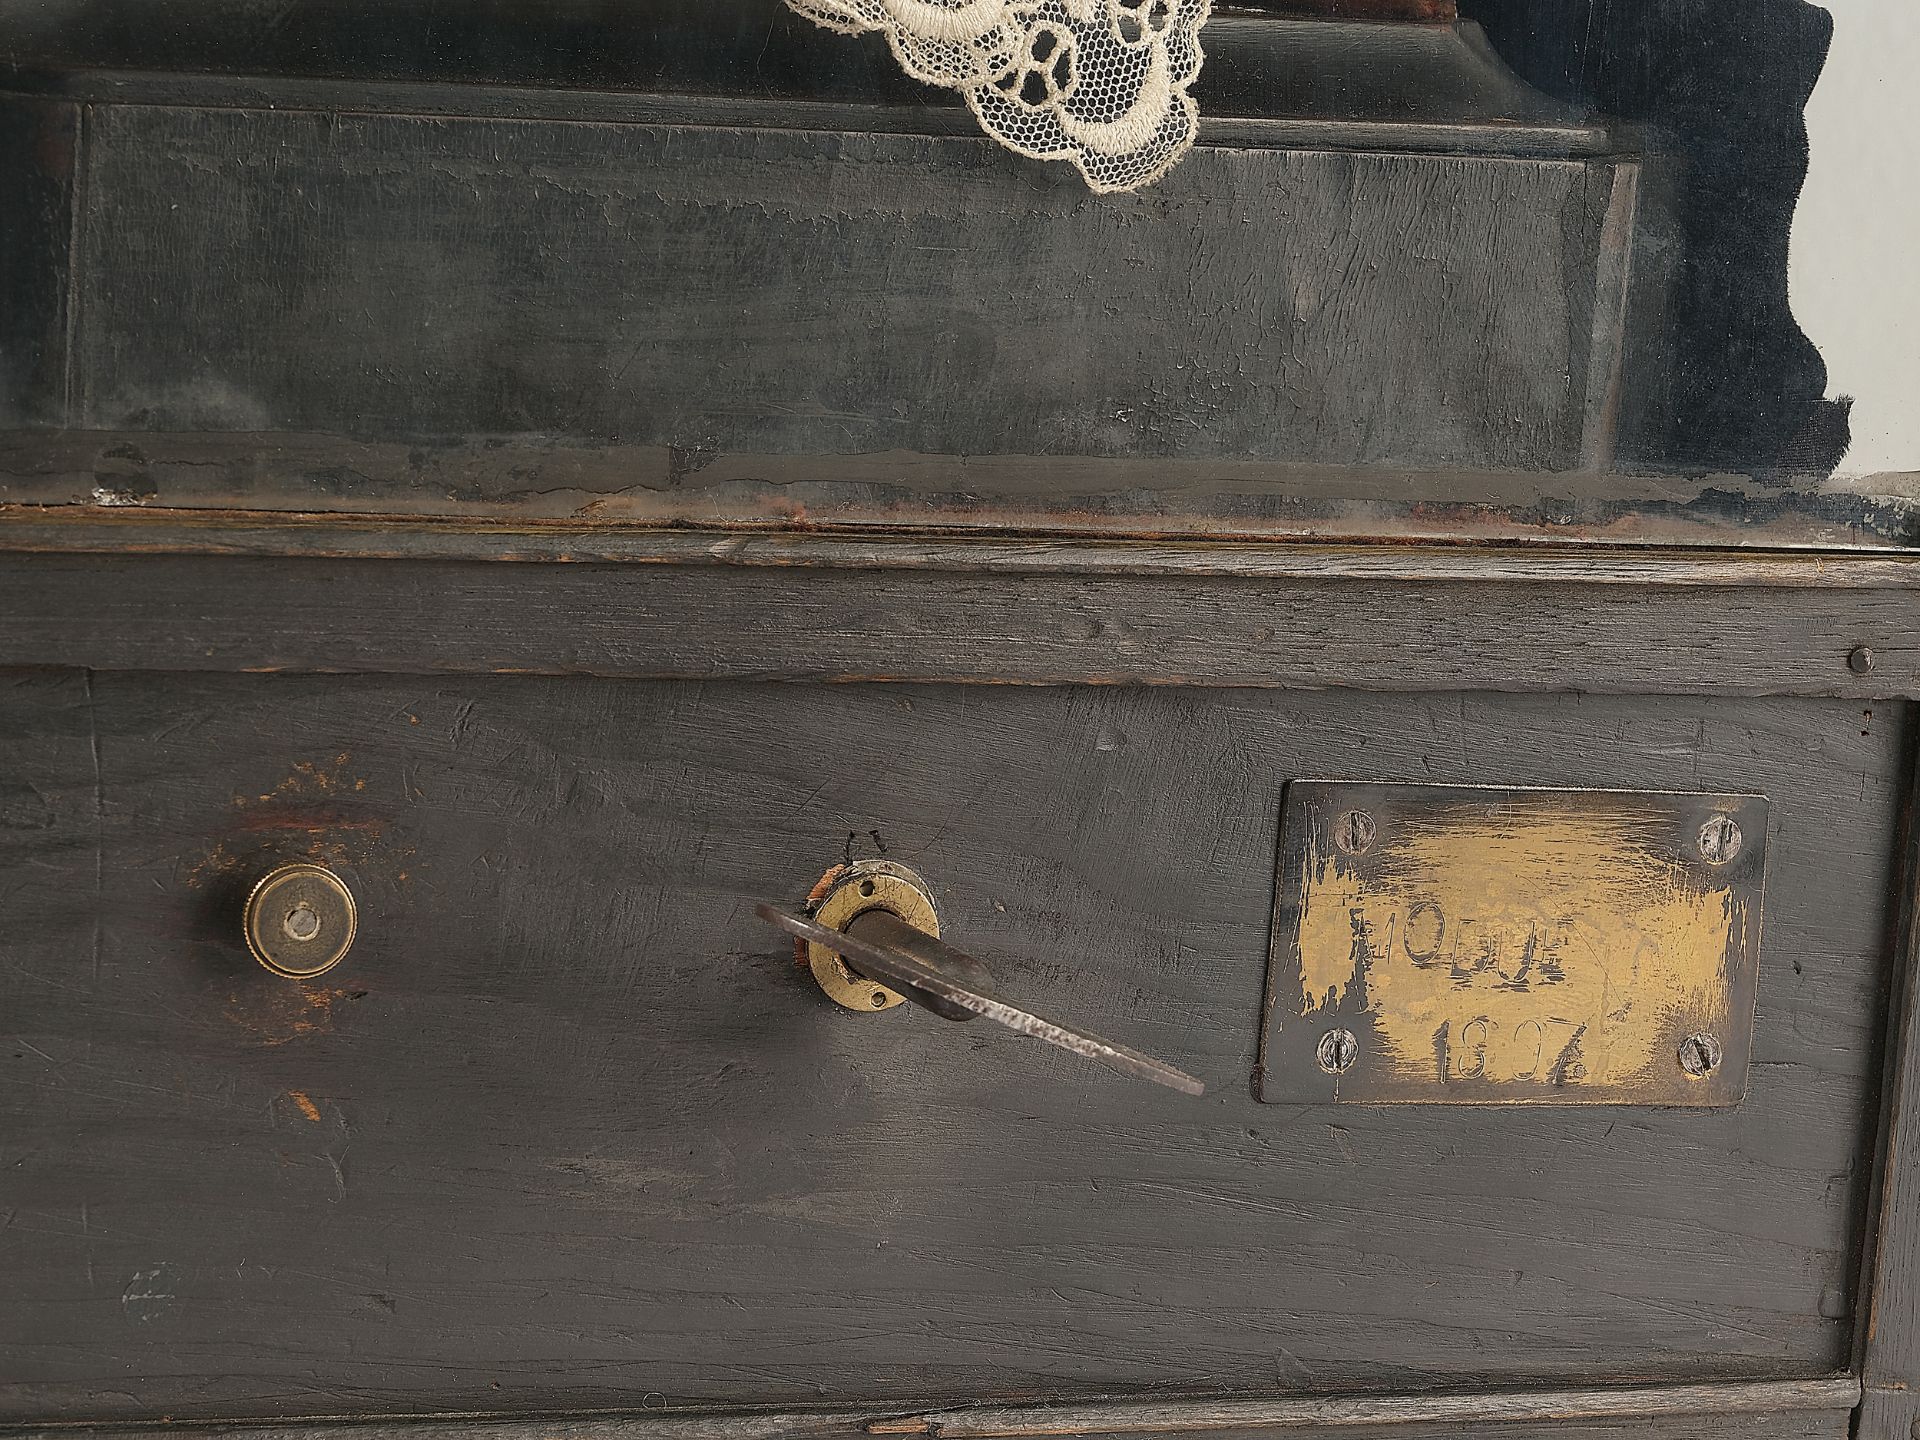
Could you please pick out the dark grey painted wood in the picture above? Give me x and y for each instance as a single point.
(1410, 78)
(558, 61)
(772, 291)
(39, 147)
(716, 620)
(568, 1127)
(1889, 1349)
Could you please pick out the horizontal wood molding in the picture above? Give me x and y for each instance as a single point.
(1397, 621)
(1699, 1410)
(62, 530)
(164, 479)
(1121, 1417)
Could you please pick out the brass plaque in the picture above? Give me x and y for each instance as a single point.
(1452, 945)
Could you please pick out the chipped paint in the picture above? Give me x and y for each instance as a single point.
(150, 1293)
(276, 1011)
(305, 1102)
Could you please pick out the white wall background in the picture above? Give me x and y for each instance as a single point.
(1854, 267)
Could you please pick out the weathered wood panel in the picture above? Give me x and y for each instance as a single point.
(945, 621)
(568, 1129)
(1888, 1357)
(39, 141)
(773, 291)
(1435, 86)
(1778, 1410)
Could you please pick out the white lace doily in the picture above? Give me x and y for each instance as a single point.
(1102, 83)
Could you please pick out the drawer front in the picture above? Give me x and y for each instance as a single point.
(569, 1126)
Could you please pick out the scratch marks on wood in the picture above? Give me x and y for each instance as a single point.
(322, 811)
(150, 1293)
(1301, 379)
(592, 1117)
(99, 825)
(271, 1011)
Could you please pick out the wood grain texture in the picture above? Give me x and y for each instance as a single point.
(1781, 1410)
(770, 291)
(569, 1129)
(39, 153)
(713, 621)
(1784, 1425)
(1124, 1417)
(1889, 1340)
(110, 531)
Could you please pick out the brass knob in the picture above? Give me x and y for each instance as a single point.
(301, 921)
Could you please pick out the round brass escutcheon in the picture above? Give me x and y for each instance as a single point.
(848, 891)
(301, 921)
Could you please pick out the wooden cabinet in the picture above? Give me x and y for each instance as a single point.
(571, 1122)
(574, 519)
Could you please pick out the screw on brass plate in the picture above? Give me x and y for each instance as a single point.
(1719, 840)
(1860, 660)
(1353, 832)
(1337, 1051)
(1700, 1055)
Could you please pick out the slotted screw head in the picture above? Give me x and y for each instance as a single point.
(1337, 1051)
(1700, 1055)
(1353, 832)
(1719, 839)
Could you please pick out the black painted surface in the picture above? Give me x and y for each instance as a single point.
(1720, 378)
(1722, 86)
(773, 291)
(569, 1128)
(39, 145)
(1256, 65)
